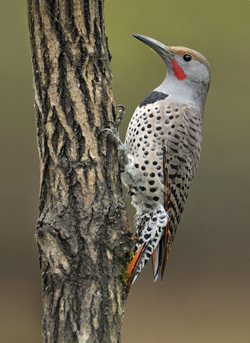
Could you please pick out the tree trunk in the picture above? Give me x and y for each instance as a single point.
(82, 232)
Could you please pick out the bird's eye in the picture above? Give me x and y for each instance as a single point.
(187, 57)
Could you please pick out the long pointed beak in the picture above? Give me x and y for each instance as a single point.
(160, 48)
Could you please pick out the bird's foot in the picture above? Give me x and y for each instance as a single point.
(122, 153)
(119, 117)
(113, 133)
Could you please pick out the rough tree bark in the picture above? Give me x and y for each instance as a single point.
(82, 232)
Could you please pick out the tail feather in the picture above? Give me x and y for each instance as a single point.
(133, 266)
(150, 228)
(160, 255)
(165, 251)
(156, 262)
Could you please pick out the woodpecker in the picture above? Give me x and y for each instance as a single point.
(161, 152)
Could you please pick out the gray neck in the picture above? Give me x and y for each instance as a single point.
(184, 92)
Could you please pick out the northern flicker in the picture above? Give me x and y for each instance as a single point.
(161, 152)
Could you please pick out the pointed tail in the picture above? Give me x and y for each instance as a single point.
(150, 228)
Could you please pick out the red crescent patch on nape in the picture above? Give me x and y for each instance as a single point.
(179, 73)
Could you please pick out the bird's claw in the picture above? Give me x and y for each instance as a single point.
(113, 122)
(122, 153)
(113, 132)
(119, 117)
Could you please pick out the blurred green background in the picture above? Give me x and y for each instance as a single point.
(205, 294)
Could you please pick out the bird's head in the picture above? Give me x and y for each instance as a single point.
(186, 68)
